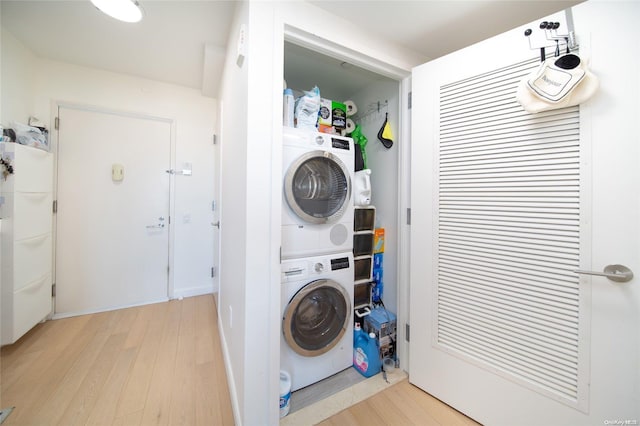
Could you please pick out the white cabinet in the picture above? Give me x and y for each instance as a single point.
(27, 246)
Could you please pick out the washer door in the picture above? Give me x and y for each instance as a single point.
(317, 187)
(316, 318)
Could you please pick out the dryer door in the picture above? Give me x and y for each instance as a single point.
(317, 187)
(317, 317)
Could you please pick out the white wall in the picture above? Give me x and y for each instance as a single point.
(251, 100)
(18, 74)
(31, 85)
(384, 165)
(233, 211)
(250, 232)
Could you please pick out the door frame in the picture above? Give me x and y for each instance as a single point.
(54, 138)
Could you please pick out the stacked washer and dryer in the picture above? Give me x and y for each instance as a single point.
(317, 255)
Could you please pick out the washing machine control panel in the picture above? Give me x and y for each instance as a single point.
(339, 263)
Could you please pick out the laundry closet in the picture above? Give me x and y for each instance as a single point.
(373, 226)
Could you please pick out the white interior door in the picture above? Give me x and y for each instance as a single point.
(112, 225)
(505, 207)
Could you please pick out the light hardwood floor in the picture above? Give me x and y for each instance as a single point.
(400, 405)
(156, 364)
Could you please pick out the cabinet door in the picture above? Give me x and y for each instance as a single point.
(32, 214)
(34, 171)
(32, 260)
(31, 304)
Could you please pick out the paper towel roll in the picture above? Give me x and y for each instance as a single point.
(352, 109)
(350, 126)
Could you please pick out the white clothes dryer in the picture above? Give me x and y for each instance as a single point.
(317, 206)
(317, 317)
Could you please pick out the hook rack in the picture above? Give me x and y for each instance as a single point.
(372, 108)
(551, 34)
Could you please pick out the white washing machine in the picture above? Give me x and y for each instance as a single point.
(317, 317)
(317, 207)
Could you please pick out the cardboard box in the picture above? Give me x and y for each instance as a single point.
(383, 323)
(332, 116)
(377, 260)
(378, 240)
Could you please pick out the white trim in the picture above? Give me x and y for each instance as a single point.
(328, 48)
(586, 256)
(404, 229)
(193, 291)
(111, 308)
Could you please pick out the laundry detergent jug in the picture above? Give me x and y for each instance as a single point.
(366, 354)
(285, 393)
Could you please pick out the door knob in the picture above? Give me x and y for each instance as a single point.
(160, 224)
(216, 224)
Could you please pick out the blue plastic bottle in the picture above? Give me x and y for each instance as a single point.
(366, 353)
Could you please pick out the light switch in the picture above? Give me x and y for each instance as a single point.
(117, 172)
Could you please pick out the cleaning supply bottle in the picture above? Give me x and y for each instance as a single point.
(366, 354)
(288, 104)
(285, 393)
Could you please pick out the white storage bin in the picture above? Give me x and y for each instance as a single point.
(32, 214)
(38, 164)
(31, 305)
(33, 259)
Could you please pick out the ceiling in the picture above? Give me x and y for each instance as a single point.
(179, 39)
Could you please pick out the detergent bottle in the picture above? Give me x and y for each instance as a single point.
(366, 354)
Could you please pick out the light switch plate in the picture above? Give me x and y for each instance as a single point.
(117, 172)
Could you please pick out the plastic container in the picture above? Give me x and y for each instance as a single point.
(366, 354)
(288, 107)
(285, 393)
(362, 268)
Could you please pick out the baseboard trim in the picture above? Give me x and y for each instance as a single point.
(192, 291)
(56, 316)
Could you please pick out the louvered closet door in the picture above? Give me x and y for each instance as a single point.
(505, 208)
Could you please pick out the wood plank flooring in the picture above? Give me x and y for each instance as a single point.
(157, 364)
(154, 364)
(400, 405)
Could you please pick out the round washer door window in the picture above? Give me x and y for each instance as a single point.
(317, 187)
(316, 318)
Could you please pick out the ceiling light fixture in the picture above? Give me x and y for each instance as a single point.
(123, 10)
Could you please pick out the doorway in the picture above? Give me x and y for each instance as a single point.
(113, 210)
(378, 93)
